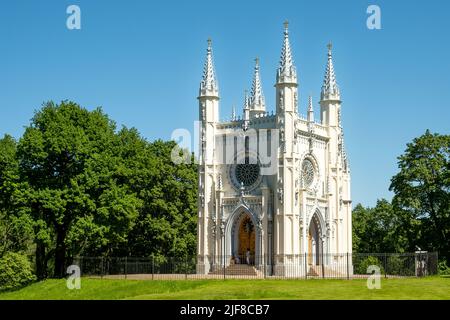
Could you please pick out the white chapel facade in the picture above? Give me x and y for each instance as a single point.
(274, 189)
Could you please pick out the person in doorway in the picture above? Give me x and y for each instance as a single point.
(247, 256)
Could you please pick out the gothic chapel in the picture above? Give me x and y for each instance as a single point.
(287, 215)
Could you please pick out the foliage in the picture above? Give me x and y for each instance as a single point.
(400, 265)
(360, 267)
(16, 226)
(66, 157)
(15, 271)
(74, 185)
(378, 229)
(443, 268)
(422, 192)
(419, 216)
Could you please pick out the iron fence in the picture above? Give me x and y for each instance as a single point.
(302, 266)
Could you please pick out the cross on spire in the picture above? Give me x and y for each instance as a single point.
(329, 46)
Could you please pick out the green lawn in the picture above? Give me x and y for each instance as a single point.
(411, 288)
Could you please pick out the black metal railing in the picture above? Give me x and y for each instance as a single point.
(300, 266)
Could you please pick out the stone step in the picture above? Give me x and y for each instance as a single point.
(238, 270)
(316, 271)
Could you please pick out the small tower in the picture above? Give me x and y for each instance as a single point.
(257, 101)
(208, 105)
(209, 118)
(286, 106)
(330, 109)
(286, 94)
(338, 173)
(330, 97)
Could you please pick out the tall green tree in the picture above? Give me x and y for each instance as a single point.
(422, 190)
(74, 185)
(16, 226)
(167, 223)
(67, 157)
(378, 229)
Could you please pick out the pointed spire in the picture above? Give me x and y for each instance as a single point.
(257, 101)
(246, 113)
(246, 101)
(233, 114)
(209, 86)
(286, 71)
(310, 117)
(310, 110)
(330, 89)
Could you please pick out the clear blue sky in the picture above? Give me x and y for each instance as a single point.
(142, 62)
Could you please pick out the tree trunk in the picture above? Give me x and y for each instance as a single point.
(60, 254)
(41, 261)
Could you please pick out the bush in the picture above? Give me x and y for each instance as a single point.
(361, 267)
(15, 271)
(444, 270)
(400, 265)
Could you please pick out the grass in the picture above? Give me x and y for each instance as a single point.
(408, 288)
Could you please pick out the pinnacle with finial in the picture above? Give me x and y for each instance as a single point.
(286, 71)
(257, 101)
(208, 85)
(310, 110)
(246, 102)
(330, 88)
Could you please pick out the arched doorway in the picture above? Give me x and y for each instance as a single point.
(244, 240)
(314, 241)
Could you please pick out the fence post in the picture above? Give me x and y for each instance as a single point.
(126, 267)
(224, 272)
(153, 267)
(101, 269)
(264, 265)
(385, 265)
(348, 267)
(185, 268)
(306, 267)
(323, 267)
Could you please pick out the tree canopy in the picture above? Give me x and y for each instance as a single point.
(88, 189)
(419, 216)
(422, 190)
